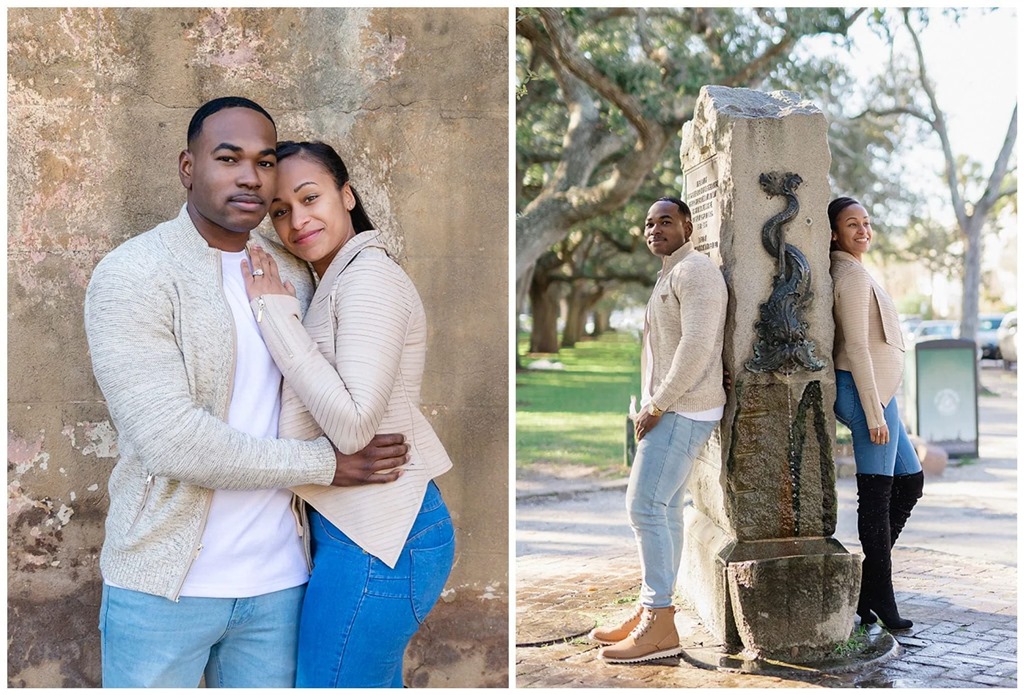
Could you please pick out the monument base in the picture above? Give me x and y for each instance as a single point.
(852, 665)
(794, 599)
(703, 578)
(790, 599)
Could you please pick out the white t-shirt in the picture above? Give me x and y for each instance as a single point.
(251, 544)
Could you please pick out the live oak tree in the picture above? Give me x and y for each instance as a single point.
(603, 95)
(604, 92)
(586, 266)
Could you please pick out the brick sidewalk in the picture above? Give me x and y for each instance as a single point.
(955, 577)
(964, 631)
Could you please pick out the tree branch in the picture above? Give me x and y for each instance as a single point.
(641, 34)
(762, 63)
(620, 246)
(621, 277)
(569, 196)
(535, 156)
(557, 30)
(758, 68)
(939, 126)
(995, 180)
(584, 134)
(529, 30)
(854, 17)
(600, 15)
(896, 111)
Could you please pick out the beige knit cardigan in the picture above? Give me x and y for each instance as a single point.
(686, 332)
(163, 352)
(869, 342)
(352, 368)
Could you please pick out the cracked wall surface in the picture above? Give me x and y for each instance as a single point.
(98, 104)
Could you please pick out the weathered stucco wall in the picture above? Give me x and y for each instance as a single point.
(99, 101)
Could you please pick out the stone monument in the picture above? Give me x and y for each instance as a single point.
(760, 567)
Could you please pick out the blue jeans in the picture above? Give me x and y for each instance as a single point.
(149, 641)
(895, 458)
(359, 614)
(654, 500)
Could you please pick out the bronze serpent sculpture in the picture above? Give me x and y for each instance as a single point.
(782, 344)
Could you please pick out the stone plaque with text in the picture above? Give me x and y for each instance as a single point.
(700, 189)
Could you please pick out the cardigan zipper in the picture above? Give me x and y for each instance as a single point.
(145, 498)
(234, 342)
(224, 416)
(199, 546)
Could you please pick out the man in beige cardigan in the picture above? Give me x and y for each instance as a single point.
(683, 400)
(203, 560)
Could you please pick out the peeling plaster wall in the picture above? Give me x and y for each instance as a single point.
(99, 101)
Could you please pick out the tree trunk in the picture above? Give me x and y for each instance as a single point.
(971, 225)
(602, 322)
(575, 315)
(544, 310)
(580, 302)
(972, 278)
(522, 306)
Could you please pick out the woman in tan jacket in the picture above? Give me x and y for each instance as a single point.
(352, 367)
(869, 366)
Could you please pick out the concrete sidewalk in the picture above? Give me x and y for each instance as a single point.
(954, 571)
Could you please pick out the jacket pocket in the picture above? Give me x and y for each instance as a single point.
(145, 499)
(890, 319)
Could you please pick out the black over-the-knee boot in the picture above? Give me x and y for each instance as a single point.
(906, 491)
(873, 495)
(867, 616)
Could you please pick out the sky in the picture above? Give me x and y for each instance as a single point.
(974, 66)
(975, 71)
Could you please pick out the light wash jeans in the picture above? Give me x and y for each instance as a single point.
(654, 500)
(895, 458)
(149, 641)
(359, 614)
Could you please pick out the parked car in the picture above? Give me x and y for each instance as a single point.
(908, 324)
(1008, 339)
(935, 330)
(988, 335)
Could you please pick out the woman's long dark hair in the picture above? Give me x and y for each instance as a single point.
(324, 155)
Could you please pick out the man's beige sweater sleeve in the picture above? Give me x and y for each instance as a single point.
(139, 366)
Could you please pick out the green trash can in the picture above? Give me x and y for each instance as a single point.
(941, 394)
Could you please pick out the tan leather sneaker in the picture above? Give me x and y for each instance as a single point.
(654, 638)
(616, 633)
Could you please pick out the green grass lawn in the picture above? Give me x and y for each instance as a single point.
(577, 416)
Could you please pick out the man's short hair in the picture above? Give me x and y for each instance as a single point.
(683, 207)
(195, 126)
